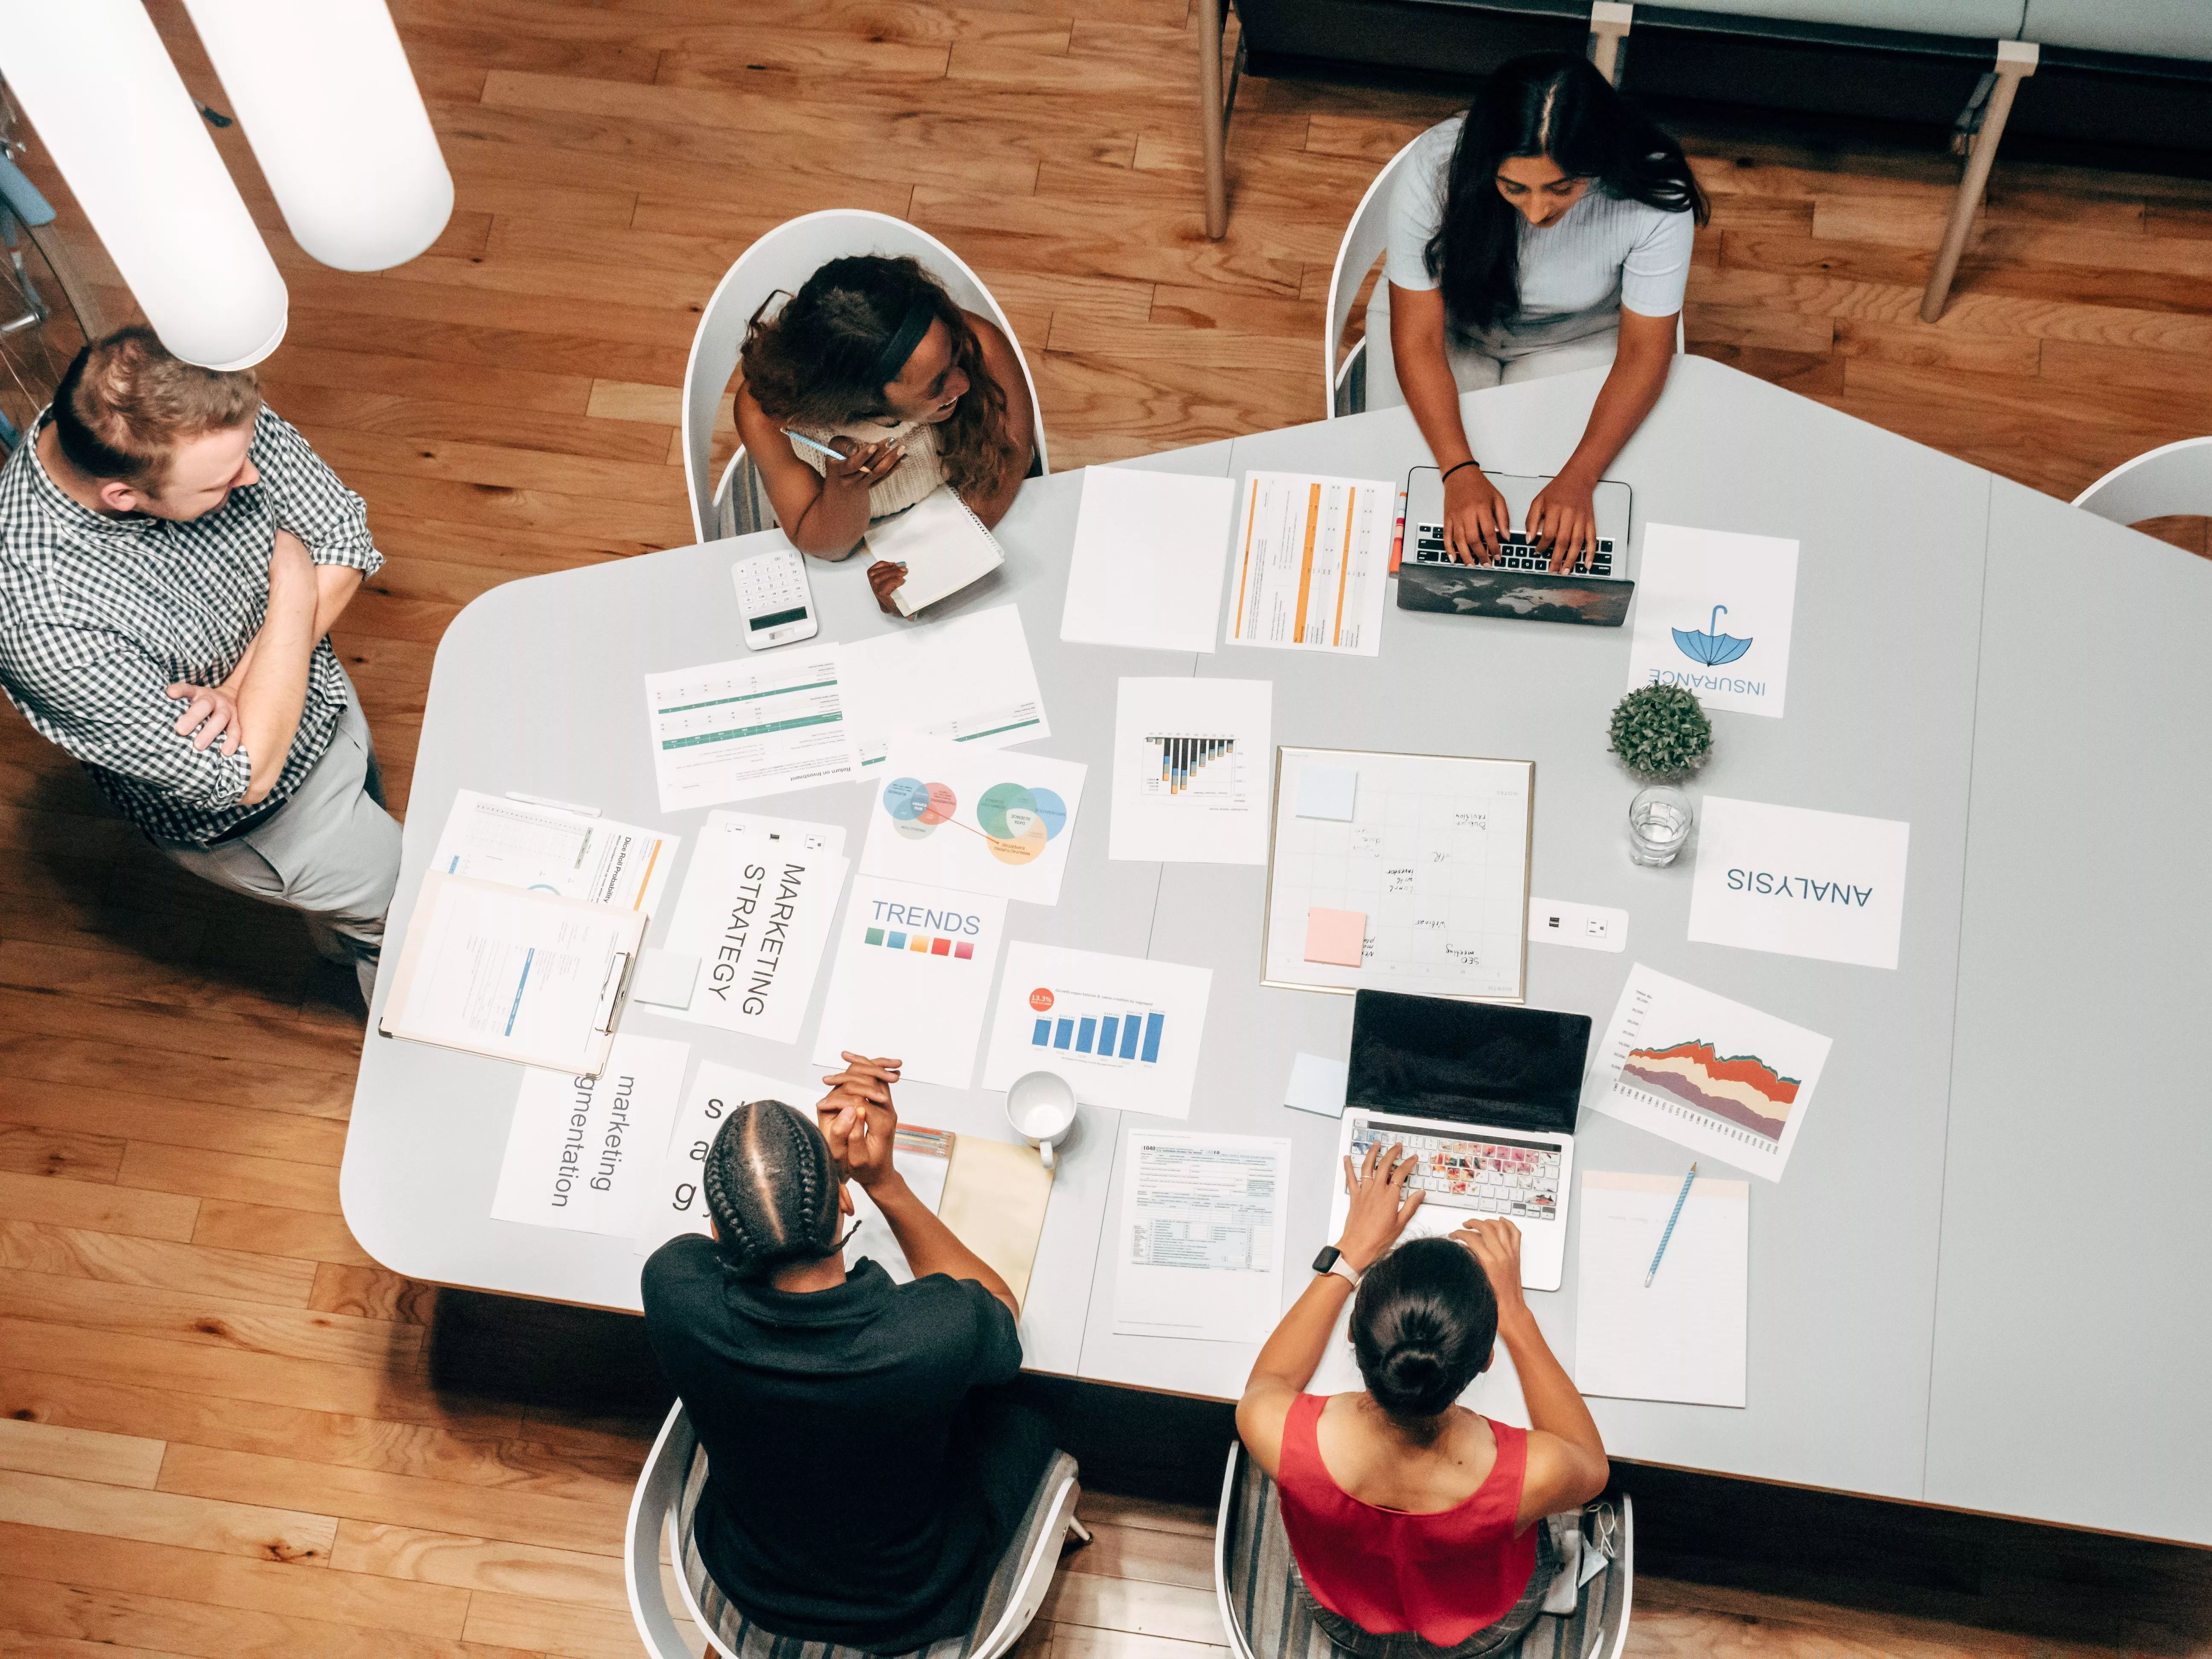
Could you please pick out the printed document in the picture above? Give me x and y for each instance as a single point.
(1682, 1336)
(912, 978)
(734, 731)
(966, 679)
(982, 821)
(1200, 1253)
(550, 849)
(1146, 566)
(1312, 561)
(674, 1203)
(1713, 610)
(583, 1151)
(1798, 882)
(1193, 765)
(1124, 1032)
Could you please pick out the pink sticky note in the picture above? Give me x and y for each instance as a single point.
(1335, 936)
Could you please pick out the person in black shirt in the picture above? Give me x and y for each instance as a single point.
(866, 1470)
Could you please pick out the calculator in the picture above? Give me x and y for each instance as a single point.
(774, 599)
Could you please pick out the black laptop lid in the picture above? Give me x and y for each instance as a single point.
(1467, 1062)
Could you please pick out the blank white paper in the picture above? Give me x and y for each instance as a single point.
(1193, 771)
(965, 679)
(1682, 1338)
(1150, 549)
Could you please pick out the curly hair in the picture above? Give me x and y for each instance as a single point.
(772, 1188)
(815, 362)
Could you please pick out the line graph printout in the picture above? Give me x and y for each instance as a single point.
(735, 731)
(1312, 556)
(1190, 771)
(1721, 1078)
(1434, 858)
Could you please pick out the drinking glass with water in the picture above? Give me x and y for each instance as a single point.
(1659, 822)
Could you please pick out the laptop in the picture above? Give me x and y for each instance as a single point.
(1484, 1097)
(1518, 583)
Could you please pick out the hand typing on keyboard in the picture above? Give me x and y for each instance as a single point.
(1563, 521)
(1475, 516)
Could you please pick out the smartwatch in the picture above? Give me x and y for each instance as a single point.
(1331, 1261)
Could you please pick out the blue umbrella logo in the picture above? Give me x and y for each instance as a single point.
(1712, 648)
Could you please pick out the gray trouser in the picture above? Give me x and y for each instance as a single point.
(331, 851)
(1474, 366)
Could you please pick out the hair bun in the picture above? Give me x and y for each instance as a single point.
(1413, 1381)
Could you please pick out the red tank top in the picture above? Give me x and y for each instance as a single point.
(1446, 1575)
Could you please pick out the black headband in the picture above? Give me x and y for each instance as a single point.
(900, 347)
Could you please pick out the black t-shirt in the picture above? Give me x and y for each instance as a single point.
(837, 1508)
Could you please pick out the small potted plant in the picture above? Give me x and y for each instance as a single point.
(1660, 732)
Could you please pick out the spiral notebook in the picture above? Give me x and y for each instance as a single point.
(943, 545)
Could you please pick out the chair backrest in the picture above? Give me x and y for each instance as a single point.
(1041, 1559)
(1365, 239)
(659, 1486)
(783, 258)
(2173, 479)
(1232, 1550)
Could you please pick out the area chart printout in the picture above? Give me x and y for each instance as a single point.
(1312, 558)
(1124, 1032)
(1201, 1237)
(554, 849)
(735, 731)
(1191, 763)
(1722, 1079)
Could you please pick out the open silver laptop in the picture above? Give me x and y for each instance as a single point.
(1518, 584)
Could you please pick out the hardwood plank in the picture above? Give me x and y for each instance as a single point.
(276, 1183)
(1141, 242)
(372, 1293)
(1175, 1611)
(389, 415)
(110, 1460)
(479, 1563)
(1759, 326)
(90, 1253)
(552, 1628)
(110, 1209)
(1934, 346)
(197, 1318)
(78, 1065)
(123, 976)
(301, 1138)
(230, 1224)
(1148, 1554)
(1114, 1509)
(1085, 1642)
(202, 1040)
(295, 1537)
(72, 1155)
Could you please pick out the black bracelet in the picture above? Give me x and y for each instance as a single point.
(1451, 470)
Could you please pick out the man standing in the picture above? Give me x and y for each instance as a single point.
(172, 557)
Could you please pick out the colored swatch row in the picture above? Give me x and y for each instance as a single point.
(1137, 1040)
(929, 945)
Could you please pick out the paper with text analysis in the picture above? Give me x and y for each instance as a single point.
(1713, 615)
(1192, 766)
(983, 821)
(1682, 1337)
(1124, 1032)
(674, 1203)
(1146, 569)
(583, 1151)
(1721, 1078)
(755, 908)
(1312, 561)
(1201, 1239)
(923, 1157)
(1802, 883)
(550, 849)
(966, 679)
(912, 978)
(735, 731)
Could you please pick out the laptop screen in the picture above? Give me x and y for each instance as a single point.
(1467, 1062)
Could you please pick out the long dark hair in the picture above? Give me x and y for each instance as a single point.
(1546, 104)
(771, 1187)
(1422, 1327)
(816, 361)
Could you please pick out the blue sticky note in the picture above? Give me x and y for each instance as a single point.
(1328, 792)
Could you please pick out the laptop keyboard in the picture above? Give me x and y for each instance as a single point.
(1514, 1178)
(1516, 552)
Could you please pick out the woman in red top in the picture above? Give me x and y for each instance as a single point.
(1416, 1523)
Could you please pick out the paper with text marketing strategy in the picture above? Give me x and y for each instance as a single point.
(734, 731)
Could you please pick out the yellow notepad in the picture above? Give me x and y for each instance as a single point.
(995, 1199)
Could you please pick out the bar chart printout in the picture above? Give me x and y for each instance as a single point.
(1183, 758)
(1191, 770)
(1312, 555)
(1123, 1031)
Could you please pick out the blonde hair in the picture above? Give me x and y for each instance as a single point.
(125, 403)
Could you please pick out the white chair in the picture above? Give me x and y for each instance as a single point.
(786, 257)
(1344, 387)
(669, 1486)
(2163, 483)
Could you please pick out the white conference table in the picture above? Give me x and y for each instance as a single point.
(1979, 1284)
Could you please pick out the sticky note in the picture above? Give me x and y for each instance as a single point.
(1317, 1085)
(1328, 792)
(1337, 936)
(664, 978)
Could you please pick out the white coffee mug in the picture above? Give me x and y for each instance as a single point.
(1040, 1105)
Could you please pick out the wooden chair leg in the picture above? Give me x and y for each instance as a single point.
(2016, 60)
(1212, 139)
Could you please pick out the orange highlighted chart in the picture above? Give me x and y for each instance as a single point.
(1312, 555)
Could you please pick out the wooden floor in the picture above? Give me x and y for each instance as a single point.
(220, 1433)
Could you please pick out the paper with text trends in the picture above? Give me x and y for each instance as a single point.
(1124, 1032)
(912, 978)
(674, 1203)
(1721, 1078)
(1203, 1221)
(552, 850)
(982, 821)
(966, 679)
(1683, 1336)
(1312, 562)
(1193, 761)
(755, 910)
(1145, 569)
(736, 731)
(1798, 882)
(1713, 611)
(583, 1152)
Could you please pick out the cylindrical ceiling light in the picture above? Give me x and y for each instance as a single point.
(95, 81)
(324, 92)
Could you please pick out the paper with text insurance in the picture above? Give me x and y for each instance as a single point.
(550, 849)
(1201, 1240)
(1802, 882)
(1125, 1032)
(942, 544)
(583, 1151)
(1713, 610)
(755, 910)
(1722, 1079)
(1682, 1336)
(512, 974)
(923, 1157)
(912, 978)
(1146, 566)
(1312, 561)
(983, 821)
(735, 731)
(1192, 766)
(674, 1203)
(966, 679)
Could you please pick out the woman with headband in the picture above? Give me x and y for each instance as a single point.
(868, 390)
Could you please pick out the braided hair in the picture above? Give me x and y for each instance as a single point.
(1422, 1327)
(772, 1188)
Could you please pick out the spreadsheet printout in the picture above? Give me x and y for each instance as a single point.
(1312, 562)
(1201, 1236)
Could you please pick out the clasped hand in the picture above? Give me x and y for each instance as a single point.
(858, 1121)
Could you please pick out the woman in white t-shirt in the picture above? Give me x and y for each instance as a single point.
(1546, 230)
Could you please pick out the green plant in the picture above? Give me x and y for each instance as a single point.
(1661, 731)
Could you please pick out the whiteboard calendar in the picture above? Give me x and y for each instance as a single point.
(1399, 872)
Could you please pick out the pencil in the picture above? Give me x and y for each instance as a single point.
(1672, 1219)
(811, 443)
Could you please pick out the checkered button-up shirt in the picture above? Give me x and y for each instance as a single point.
(100, 616)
